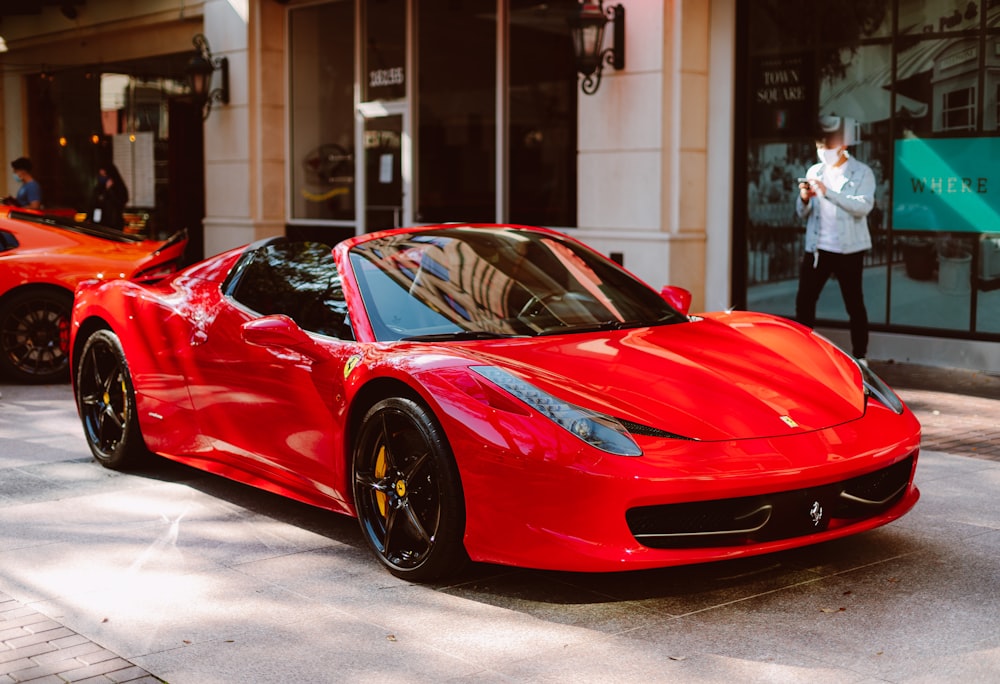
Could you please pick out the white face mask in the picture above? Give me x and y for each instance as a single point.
(828, 156)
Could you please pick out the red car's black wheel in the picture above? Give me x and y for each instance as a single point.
(408, 493)
(34, 336)
(106, 400)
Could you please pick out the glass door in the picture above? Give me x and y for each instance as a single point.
(385, 189)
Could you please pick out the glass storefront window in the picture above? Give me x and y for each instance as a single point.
(456, 111)
(385, 50)
(925, 88)
(542, 132)
(778, 26)
(940, 188)
(321, 106)
(774, 232)
(448, 153)
(988, 271)
(992, 122)
(136, 115)
(938, 16)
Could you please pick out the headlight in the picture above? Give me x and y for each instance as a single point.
(596, 429)
(876, 387)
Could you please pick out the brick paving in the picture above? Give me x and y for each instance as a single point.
(34, 648)
(959, 410)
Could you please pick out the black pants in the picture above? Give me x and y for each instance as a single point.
(813, 275)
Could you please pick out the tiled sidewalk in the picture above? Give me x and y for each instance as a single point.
(37, 649)
(959, 410)
(955, 424)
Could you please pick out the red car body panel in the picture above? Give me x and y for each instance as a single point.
(760, 405)
(48, 255)
(43, 257)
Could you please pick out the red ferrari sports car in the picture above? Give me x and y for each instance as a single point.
(495, 393)
(43, 257)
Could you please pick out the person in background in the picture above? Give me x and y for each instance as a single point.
(834, 199)
(110, 198)
(29, 195)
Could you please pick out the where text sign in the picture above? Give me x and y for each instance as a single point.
(947, 184)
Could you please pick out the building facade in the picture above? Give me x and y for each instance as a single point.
(346, 116)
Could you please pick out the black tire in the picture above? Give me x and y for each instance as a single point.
(34, 336)
(408, 492)
(106, 401)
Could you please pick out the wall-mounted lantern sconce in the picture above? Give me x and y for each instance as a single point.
(199, 72)
(587, 28)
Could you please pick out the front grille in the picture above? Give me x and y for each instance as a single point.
(769, 517)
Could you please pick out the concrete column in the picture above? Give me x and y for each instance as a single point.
(244, 140)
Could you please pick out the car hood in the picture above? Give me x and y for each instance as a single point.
(738, 376)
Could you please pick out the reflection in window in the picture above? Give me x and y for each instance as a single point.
(934, 277)
(927, 79)
(937, 16)
(958, 110)
(321, 106)
(775, 234)
(988, 271)
(298, 280)
(496, 282)
(996, 108)
(913, 80)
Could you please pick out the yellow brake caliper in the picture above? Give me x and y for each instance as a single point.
(381, 466)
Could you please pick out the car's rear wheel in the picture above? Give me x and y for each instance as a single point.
(34, 336)
(408, 492)
(106, 399)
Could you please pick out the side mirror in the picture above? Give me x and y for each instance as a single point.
(677, 297)
(277, 331)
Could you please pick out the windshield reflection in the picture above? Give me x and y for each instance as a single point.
(475, 283)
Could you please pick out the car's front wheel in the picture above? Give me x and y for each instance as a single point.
(34, 335)
(408, 493)
(106, 399)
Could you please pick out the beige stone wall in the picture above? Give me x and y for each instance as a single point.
(644, 187)
(686, 108)
(245, 140)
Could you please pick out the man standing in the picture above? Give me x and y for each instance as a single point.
(835, 199)
(29, 196)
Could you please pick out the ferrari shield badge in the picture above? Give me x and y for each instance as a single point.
(787, 420)
(351, 365)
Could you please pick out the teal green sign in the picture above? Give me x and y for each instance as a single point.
(947, 184)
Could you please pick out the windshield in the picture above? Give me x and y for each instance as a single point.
(477, 282)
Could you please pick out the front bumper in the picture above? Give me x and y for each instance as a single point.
(545, 500)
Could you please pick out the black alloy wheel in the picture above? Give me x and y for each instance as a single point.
(106, 399)
(408, 493)
(34, 336)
